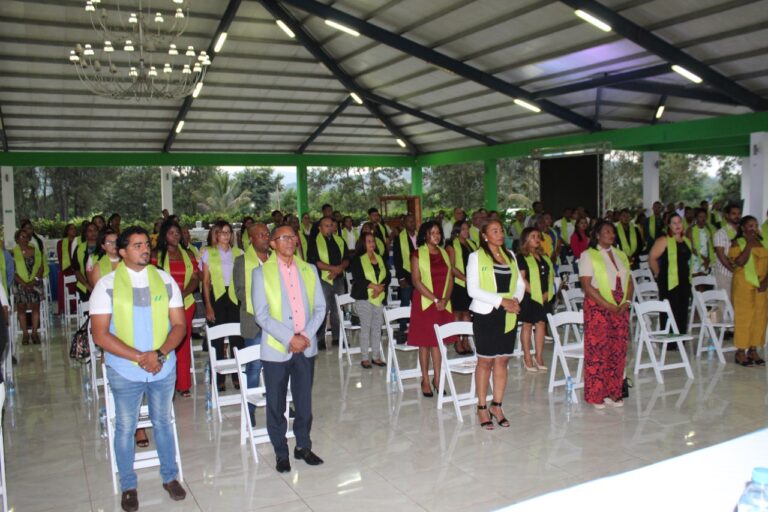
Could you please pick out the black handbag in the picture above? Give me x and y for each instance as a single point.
(80, 349)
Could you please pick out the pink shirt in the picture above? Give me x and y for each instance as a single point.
(579, 246)
(290, 275)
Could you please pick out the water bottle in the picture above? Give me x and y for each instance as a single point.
(755, 495)
(103, 422)
(207, 372)
(87, 385)
(392, 379)
(711, 351)
(569, 390)
(208, 406)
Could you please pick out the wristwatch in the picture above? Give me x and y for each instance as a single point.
(161, 358)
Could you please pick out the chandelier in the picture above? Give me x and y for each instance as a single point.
(139, 55)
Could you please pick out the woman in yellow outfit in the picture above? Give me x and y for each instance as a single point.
(750, 299)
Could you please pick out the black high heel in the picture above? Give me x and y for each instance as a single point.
(487, 425)
(437, 388)
(427, 394)
(503, 422)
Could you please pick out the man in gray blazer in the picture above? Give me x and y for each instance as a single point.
(289, 305)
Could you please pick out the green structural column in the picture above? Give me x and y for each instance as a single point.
(301, 189)
(490, 200)
(417, 181)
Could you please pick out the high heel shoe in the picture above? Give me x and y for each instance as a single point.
(427, 394)
(486, 425)
(541, 367)
(755, 357)
(501, 420)
(531, 369)
(437, 388)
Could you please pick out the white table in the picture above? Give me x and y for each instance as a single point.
(708, 479)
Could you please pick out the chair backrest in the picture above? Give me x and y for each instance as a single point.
(647, 291)
(572, 298)
(393, 283)
(453, 329)
(716, 299)
(642, 275)
(391, 315)
(565, 269)
(573, 280)
(247, 355)
(344, 299)
(565, 318)
(642, 309)
(70, 279)
(222, 331)
(703, 281)
(84, 307)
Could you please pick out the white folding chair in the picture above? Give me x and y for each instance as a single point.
(344, 303)
(3, 487)
(82, 311)
(143, 459)
(707, 280)
(94, 363)
(390, 317)
(573, 281)
(714, 301)
(643, 275)
(256, 396)
(394, 284)
(665, 335)
(565, 270)
(646, 290)
(463, 365)
(225, 366)
(572, 320)
(573, 298)
(197, 324)
(70, 299)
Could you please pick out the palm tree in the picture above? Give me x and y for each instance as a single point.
(221, 198)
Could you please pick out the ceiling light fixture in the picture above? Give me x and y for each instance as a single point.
(525, 104)
(400, 143)
(220, 42)
(288, 31)
(197, 90)
(660, 111)
(357, 98)
(135, 42)
(592, 20)
(343, 28)
(180, 126)
(680, 70)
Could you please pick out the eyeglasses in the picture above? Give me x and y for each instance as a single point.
(286, 238)
(110, 242)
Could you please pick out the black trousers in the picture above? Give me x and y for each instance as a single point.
(226, 312)
(330, 292)
(300, 370)
(678, 300)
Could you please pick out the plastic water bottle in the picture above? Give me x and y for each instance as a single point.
(392, 379)
(87, 385)
(103, 422)
(755, 495)
(207, 372)
(208, 406)
(711, 351)
(569, 390)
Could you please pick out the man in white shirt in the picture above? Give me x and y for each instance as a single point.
(138, 342)
(723, 237)
(349, 233)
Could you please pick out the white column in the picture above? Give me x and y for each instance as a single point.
(745, 182)
(650, 179)
(756, 199)
(9, 206)
(166, 188)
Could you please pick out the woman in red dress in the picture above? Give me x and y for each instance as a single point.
(174, 257)
(64, 250)
(431, 275)
(604, 274)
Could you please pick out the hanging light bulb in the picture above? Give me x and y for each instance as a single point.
(133, 72)
(159, 18)
(132, 18)
(108, 47)
(128, 46)
(88, 50)
(172, 50)
(89, 6)
(197, 68)
(190, 51)
(73, 57)
(167, 68)
(179, 13)
(186, 70)
(152, 71)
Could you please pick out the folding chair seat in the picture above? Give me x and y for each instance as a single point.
(714, 301)
(665, 335)
(143, 459)
(394, 285)
(197, 324)
(70, 299)
(226, 366)
(391, 316)
(463, 365)
(344, 304)
(571, 320)
(256, 396)
(707, 280)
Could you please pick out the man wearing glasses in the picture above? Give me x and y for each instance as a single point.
(137, 317)
(289, 306)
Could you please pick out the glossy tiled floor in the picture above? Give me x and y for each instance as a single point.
(383, 451)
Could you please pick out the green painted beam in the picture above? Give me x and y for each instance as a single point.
(417, 181)
(302, 195)
(490, 186)
(709, 129)
(119, 159)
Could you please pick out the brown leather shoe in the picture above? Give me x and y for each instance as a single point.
(175, 490)
(130, 500)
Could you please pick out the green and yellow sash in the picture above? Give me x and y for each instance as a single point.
(66, 260)
(274, 294)
(672, 280)
(80, 254)
(537, 294)
(601, 275)
(21, 267)
(105, 265)
(122, 306)
(251, 261)
(405, 249)
(188, 271)
(628, 248)
(370, 275)
(425, 269)
(459, 260)
(217, 276)
(750, 271)
(652, 227)
(322, 253)
(488, 282)
(696, 235)
(474, 235)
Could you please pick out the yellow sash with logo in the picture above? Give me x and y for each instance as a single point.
(425, 269)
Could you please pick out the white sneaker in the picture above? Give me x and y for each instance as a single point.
(610, 403)
(598, 406)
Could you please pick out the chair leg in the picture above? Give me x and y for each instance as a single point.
(684, 356)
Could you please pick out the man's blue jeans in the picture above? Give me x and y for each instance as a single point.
(128, 396)
(253, 371)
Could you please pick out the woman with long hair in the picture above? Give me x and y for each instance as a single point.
(64, 251)
(113, 223)
(459, 247)
(580, 238)
(217, 261)
(604, 274)
(494, 283)
(431, 304)
(27, 287)
(105, 259)
(173, 256)
(87, 245)
(538, 273)
(669, 260)
(750, 299)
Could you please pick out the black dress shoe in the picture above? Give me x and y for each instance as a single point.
(130, 500)
(175, 490)
(335, 343)
(283, 466)
(307, 456)
(321, 345)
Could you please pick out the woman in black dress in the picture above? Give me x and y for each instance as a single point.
(459, 248)
(669, 260)
(537, 270)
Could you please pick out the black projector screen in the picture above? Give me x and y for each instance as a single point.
(569, 182)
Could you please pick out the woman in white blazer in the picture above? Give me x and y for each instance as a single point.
(494, 283)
